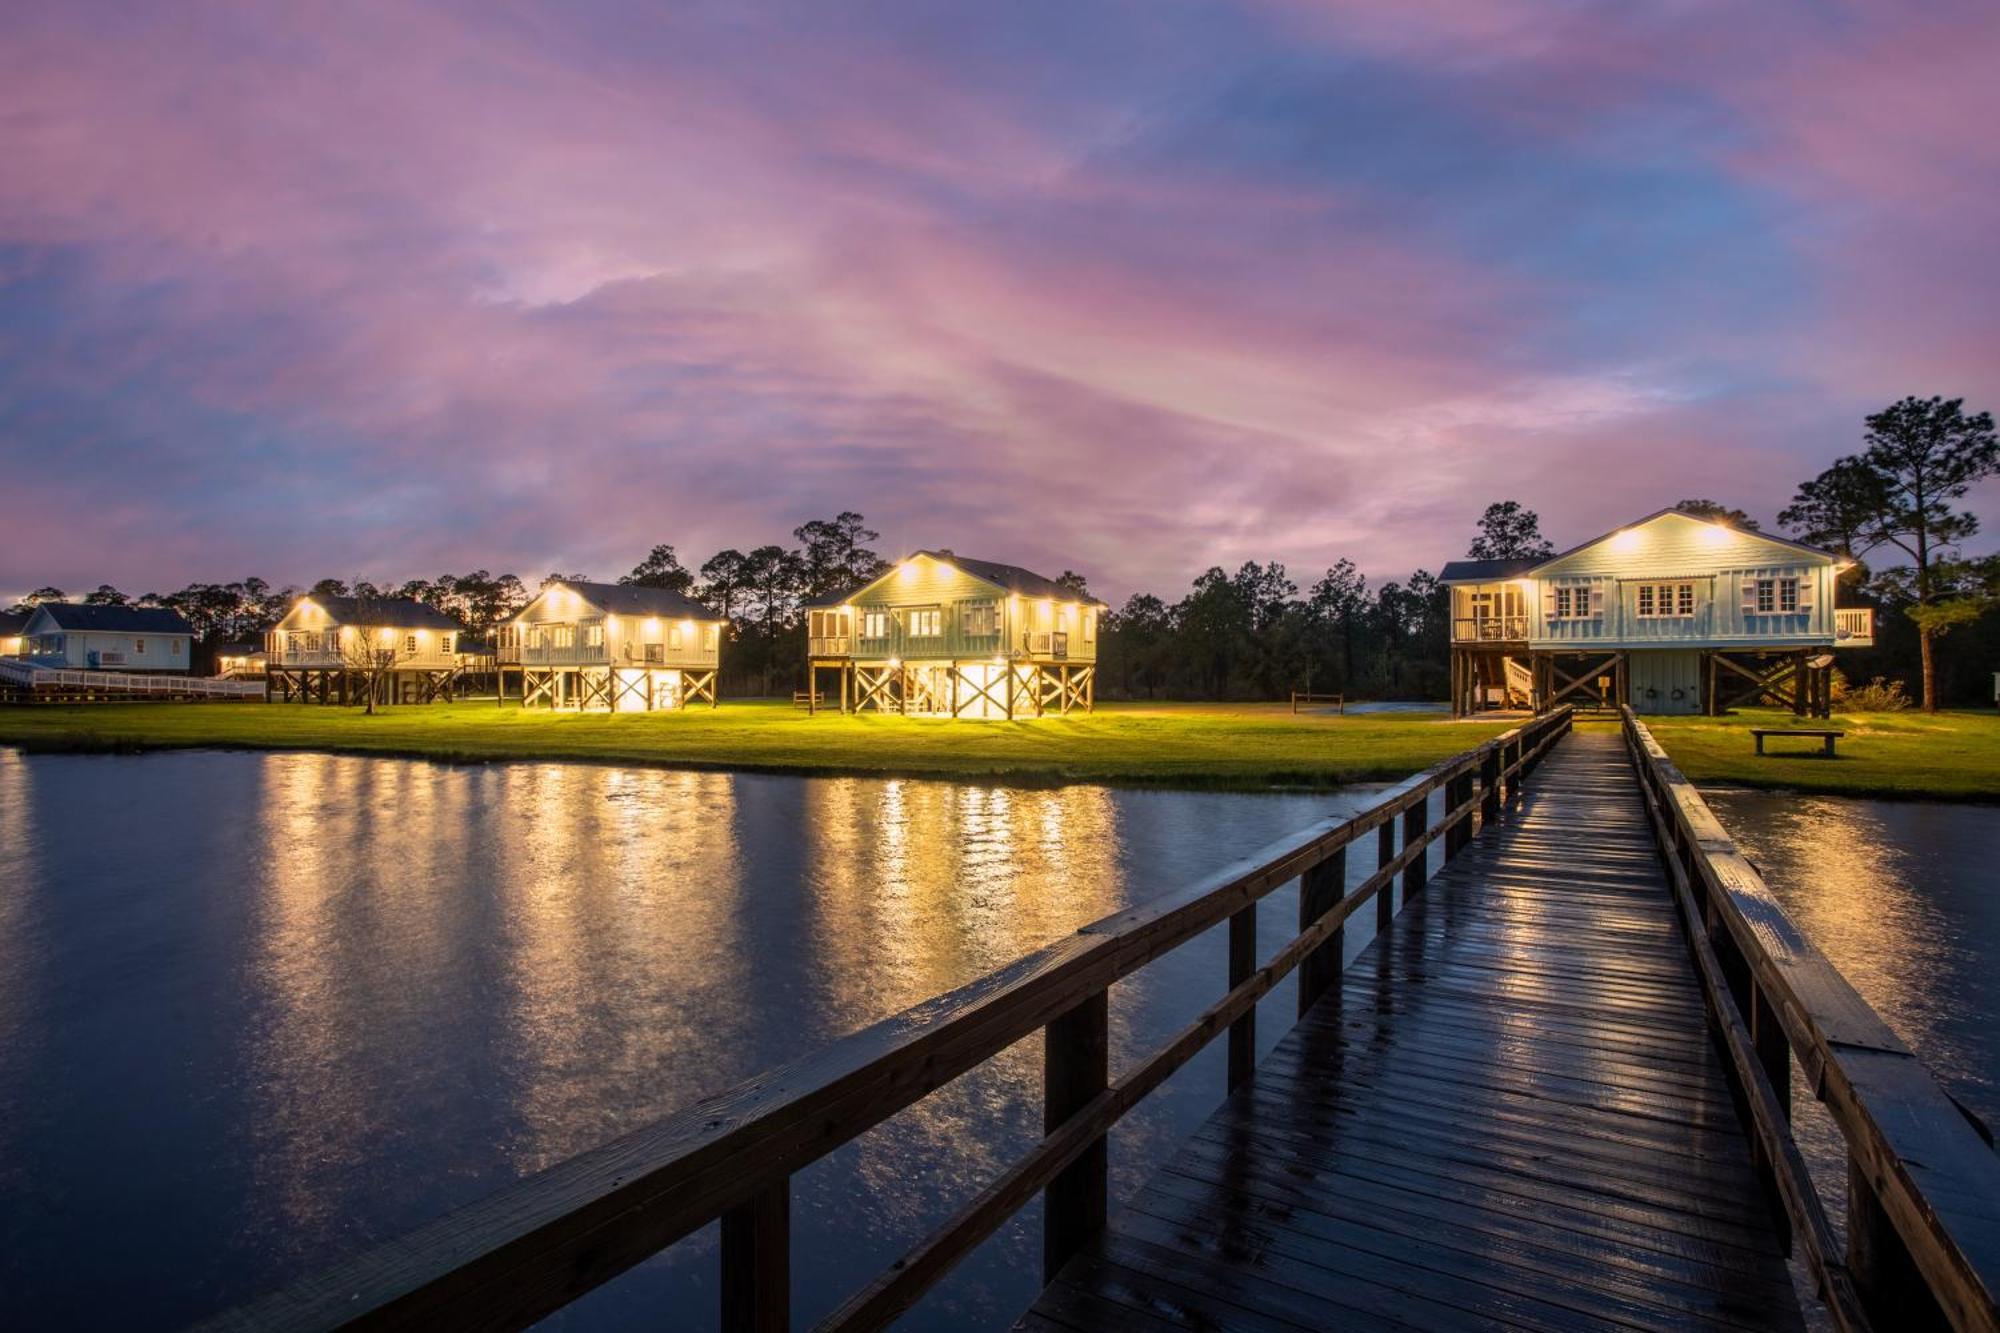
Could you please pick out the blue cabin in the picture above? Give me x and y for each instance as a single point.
(1671, 614)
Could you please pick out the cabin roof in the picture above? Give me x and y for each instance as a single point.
(386, 612)
(12, 622)
(1658, 514)
(1486, 571)
(115, 619)
(632, 599)
(240, 649)
(1011, 578)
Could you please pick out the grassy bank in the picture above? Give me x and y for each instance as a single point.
(1190, 745)
(1949, 756)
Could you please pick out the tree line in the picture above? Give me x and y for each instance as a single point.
(1259, 632)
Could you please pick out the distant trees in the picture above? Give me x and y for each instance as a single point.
(1718, 513)
(661, 569)
(1920, 455)
(35, 599)
(1508, 531)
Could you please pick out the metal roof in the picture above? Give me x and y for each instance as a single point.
(632, 599)
(1485, 571)
(1012, 578)
(116, 619)
(385, 612)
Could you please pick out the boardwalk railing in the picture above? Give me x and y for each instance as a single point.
(546, 1240)
(1923, 1181)
(56, 680)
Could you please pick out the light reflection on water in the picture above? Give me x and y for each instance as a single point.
(1900, 896)
(259, 1010)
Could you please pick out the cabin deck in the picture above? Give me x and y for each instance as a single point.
(1512, 1117)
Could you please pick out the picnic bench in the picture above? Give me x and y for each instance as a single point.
(803, 699)
(1826, 738)
(1339, 701)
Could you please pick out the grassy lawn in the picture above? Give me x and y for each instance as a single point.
(1951, 756)
(1190, 745)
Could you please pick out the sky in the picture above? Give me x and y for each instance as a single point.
(389, 290)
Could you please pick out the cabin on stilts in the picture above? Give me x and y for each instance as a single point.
(613, 646)
(1671, 614)
(946, 636)
(339, 650)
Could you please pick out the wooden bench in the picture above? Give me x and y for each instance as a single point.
(800, 699)
(1339, 701)
(1826, 738)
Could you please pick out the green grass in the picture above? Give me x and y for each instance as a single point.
(1949, 756)
(1187, 745)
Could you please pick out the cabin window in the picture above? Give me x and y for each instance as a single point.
(674, 638)
(593, 636)
(1660, 601)
(875, 625)
(655, 653)
(138, 645)
(981, 618)
(410, 644)
(444, 643)
(564, 636)
(709, 636)
(926, 624)
(1773, 596)
(174, 648)
(1089, 626)
(1572, 602)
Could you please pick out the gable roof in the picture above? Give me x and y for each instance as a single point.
(1486, 571)
(388, 612)
(78, 617)
(12, 622)
(1692, 518)
(1009, 578)
(631, 599)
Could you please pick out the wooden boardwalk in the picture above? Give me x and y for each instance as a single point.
(1512, 1117)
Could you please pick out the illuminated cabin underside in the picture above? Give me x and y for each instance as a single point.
(991, 690)
(610, 689)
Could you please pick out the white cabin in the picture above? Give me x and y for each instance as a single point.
(1672, 614)
(615, 646)
(327, 648)
(71, 636)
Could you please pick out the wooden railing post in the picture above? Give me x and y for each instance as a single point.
(1414, 827)
(757, 1262)
(1075, 1069)
(1774, 1053)
(1489, 787)
(1320, 891)
(1892, 1290)
(1242, 962)
(1385, 852)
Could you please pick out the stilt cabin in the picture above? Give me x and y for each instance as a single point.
(73, 636)
(613, 646)
(334, 650)
(1672, 614)
(946, 636)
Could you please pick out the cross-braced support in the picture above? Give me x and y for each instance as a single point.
(879, 688)
(1746, 679)
(697, 685)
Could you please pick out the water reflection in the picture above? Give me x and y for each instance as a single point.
(352, 994)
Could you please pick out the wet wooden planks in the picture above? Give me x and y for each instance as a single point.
(1511, 1118)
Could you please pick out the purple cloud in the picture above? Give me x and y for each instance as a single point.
(387, 290)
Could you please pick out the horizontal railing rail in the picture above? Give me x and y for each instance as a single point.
(1489, 629)
(38, 677)
(1923, 1183)
(546, 1240)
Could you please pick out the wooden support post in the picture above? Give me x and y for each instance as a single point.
(1242, 962)
(757, 1262)
(1320, 891)
(1414, 873)
(1385, 852)
(1489, 787)
(1076, 1068)
(1892, 1290)
(1774, 1053)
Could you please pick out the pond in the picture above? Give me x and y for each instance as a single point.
(258, 1011)
(1904, 898)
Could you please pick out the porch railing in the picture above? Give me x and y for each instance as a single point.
(1854, 626)
(542, 1242)
(1489, 629)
